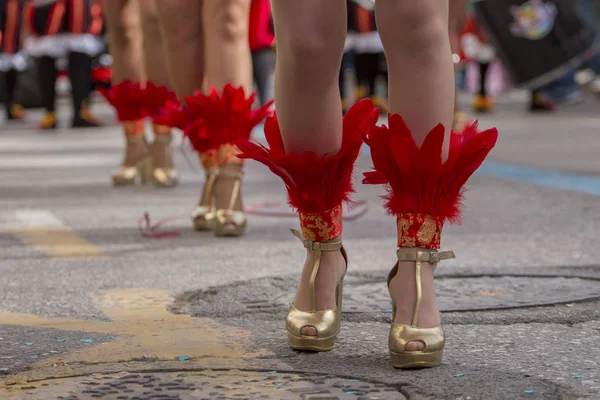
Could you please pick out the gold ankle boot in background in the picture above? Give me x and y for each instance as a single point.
(137, 161)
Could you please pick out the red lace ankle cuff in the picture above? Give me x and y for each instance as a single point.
(419, 230)
(322, 227)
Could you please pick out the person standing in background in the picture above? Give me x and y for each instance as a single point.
(456, 21)
(261, 37)
(64, 28)
(11, 60)
(369, 58)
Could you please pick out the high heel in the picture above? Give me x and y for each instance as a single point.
(326, 322)
(423, 192)
(229, 222)
(127, 175)
(163, 174)
(134, 166)
(203, 215)
(434, 339)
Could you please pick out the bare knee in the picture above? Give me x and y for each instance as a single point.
(124, 28)
(231, 21)
(413, 26)
(180, 33)
(150, 21)
(316, 52)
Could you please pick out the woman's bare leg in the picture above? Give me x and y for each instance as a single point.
(228, 60)
(421, 87)
(157, 70)
(181, 23)
(310, 45)
(155, 53)
(124, 27)
(228, 51)
(421, 74)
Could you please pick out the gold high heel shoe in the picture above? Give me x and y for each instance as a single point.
(164, 174)
(229, 222)
(203, 215)
(134, 165)
(326, 322)
(434, 339)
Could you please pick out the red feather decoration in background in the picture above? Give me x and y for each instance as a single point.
(128, 100)
(417, 180)
(156, 99)
(315, 183)
(174, 115)
(217, 120)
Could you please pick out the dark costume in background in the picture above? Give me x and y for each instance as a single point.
(65, 29)
(11, 59)
(261, 36)
(369, 58)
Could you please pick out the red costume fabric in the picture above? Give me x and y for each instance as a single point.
(11, 15)
(261, 33)
(64, 16)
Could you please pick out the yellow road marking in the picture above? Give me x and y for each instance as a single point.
(59, 242)
(41, 229)
(145, 330)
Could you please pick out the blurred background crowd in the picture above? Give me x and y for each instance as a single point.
(63, 50)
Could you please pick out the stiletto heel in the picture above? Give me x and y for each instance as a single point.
(163, 175)
(326, 322)
(203, 215)
(400, 335)
(229, 222)
(144, 168)
(136, 165)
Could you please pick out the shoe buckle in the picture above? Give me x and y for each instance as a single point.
(310, 245)
(434, 257)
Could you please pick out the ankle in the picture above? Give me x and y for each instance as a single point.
(161, 130)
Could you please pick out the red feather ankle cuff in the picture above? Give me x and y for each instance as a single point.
(132, 102)
(419, 230)
(316, 184)
(322, 227)
(216, 120)
(128, 100)
(156, 99)
(422, 191)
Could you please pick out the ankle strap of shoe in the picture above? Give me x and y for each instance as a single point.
(314, 246)
(230, 174)
(318, 248)
(163, 138)
(430, 256)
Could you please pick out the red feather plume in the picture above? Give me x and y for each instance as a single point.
(315, 183)
(128, 100)
(218, 120)
(417, 181)
(156, 99)
(174, 115)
